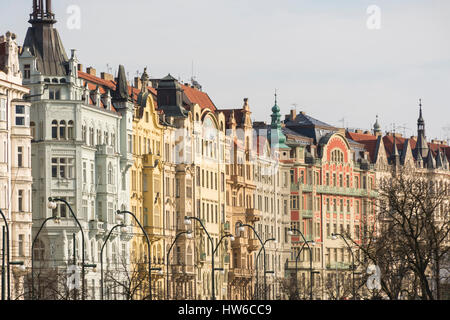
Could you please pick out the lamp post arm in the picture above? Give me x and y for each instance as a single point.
(101, 256)
(167, 261)
(221, 239)
(82, 242)
(32, 254)
(7, 253)
(148, 250)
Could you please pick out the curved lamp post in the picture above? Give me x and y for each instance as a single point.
(334, 236)
(101, 256)
(228, 235)
(52, 205)
(56, 219)
(242, 228)
(291, 232)
(188, 221)
(148, 250)
(257, 259)
(189, 235)
(7, 259)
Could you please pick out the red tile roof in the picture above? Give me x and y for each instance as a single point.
(368, 140)
(199, 97)
(93, 81)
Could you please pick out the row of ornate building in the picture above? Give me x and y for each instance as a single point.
(164, 151)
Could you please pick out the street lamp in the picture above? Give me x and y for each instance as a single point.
(148, 249)
(228, 235)
(189, 235)
(101, 257)
(256, 265)
(56, 220)
(335, 236)
(242, 229)
(7, 259)
(291, 232)
(52, 205)
(188, 221)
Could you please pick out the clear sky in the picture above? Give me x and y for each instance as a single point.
(318, 54)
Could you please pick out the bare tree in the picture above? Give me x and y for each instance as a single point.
(408, 238)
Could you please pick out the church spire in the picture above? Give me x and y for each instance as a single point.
(376, 127)
(277, 137)
(422, 145)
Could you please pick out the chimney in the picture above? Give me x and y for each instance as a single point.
(293, 115)
(138, 83)
(91, 71)
(107, 76)
(80, 67)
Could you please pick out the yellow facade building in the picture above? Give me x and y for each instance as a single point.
(147, 188)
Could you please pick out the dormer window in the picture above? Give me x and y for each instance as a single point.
(27, 71)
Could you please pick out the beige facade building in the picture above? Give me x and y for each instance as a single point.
(15, 161)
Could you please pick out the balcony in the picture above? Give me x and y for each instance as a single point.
(307, 213)
(355, 192)
(295, 186)
(252, 214)
(237, 179)
(154, 233)
(239, 273)
(238, 242)
(339, 266)
(253, 244)
(182, 269)
(97, 226)
(105, 150)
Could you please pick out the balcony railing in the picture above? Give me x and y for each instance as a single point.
(307, 213)
(253, 214)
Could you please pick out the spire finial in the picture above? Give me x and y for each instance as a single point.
(275, 96)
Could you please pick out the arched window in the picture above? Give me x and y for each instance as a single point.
(33, 130)
(84, 134)
(54, 129)
(110, 174)
(62, 129)
(70, 134)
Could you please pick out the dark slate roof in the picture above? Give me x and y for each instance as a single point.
(44, 43)
(302, 119)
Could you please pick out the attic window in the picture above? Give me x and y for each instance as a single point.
(47, 80)
(54, 80)
(27, 71)
(62, 81)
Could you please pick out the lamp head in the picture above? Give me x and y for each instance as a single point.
(187, 221)
(189, 234)
(52, 204)
(119, 212)
(290, 232)
(333, 236)
(312, 243)
(232, 238)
